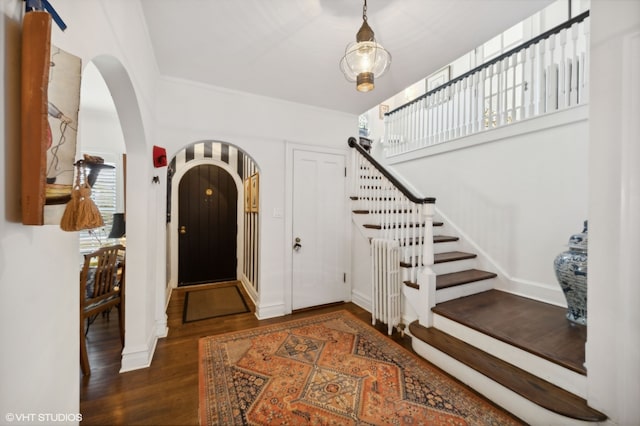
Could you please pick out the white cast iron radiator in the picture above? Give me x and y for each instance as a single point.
(387, 283)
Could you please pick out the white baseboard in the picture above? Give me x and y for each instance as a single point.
(361, 300)
(138, 357)
(264, 311)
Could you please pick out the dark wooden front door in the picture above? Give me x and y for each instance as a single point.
(207, 227)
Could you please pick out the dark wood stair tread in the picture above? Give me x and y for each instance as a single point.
(463, 277)
(444, 238)
(452, 256)
(533, 388)
(536, 327)
(380, 211)
(457, 278)
(391, 226)
(436, 239)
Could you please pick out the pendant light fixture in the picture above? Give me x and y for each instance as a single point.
(365, 59)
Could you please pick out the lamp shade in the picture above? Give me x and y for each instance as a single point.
(118, 227)
(365, 59)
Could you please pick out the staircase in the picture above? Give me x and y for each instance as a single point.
(522, 354)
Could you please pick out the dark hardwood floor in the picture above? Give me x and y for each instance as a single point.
(166, 393)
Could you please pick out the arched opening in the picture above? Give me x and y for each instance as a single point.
(100, 134)
(241, 168)
(144, 308)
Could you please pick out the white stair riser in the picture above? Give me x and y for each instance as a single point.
(509, 400)
(551, 372)
(456, 266)
(445, 247)
(464, 290)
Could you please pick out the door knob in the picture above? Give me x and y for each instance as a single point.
(183, 230)
(297, 246)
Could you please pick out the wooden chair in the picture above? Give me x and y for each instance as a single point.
(101, 289)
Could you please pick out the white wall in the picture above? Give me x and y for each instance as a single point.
(517, 197)
(613, 336)
(262, 127)
(39, 265)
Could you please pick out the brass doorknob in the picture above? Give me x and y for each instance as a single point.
(183, 230)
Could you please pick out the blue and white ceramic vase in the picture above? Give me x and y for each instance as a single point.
(571, 272)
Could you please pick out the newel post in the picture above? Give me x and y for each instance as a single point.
(426, 276)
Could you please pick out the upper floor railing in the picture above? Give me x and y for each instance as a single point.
(545, 74)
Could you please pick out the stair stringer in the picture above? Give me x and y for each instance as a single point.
(504, 397)
(360, 220)
(483, 259)
(504, 281)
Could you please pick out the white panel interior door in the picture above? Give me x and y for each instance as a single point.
(319, 222)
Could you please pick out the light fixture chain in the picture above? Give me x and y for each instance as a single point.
(364, 11)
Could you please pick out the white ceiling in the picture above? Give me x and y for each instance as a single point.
(290, 49)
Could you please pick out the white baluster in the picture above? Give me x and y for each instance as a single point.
(391, 119)
(438, 96)
(407, 125)
(584, 92)
(500, 85)
(422, 124)
(445, 113)
(552, 77)
(488, 112)
(415, 236)
(542, 83)
(562, 72)
(453, 100)
(523, 86)
(433, 114)
(416, 123)
(480, 100)
(514, 66)
(451, 109)
(573, 100)
(473, 100)
(464, 122)
(533, 82)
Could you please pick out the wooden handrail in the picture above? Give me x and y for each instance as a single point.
(353, 143)
(545, 35)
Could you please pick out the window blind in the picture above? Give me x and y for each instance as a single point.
(103, 194)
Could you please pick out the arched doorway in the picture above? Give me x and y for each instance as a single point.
(207, 228)
(241, 167)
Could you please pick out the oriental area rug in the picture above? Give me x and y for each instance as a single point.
(330, 369)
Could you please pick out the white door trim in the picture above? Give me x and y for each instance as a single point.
(290, 147)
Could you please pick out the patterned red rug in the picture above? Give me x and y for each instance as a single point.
(330, 369)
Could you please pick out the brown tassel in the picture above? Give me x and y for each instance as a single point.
(69, 219)
(89, 216)
(81, 212)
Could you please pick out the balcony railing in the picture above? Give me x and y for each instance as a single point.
(545, 74)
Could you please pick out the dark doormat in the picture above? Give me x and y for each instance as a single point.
(214, 302)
